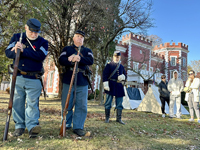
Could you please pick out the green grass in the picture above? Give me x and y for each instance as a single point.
(142, 130)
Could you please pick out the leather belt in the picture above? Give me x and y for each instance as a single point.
(113, 80)
(36, 74)
(79, 70)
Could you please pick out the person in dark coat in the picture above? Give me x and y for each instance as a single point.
(113, 76)
(34, 49)
(164, 94)
(68, 57)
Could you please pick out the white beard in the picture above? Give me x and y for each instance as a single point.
(31, 38)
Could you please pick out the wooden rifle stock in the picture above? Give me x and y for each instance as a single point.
(63, 126)
(14, 76)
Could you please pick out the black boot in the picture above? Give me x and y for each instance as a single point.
(107, 113)
(119, 115)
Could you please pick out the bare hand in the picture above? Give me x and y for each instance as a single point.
(71, 57)
(76, 58)
(17, 45)
(189, 79)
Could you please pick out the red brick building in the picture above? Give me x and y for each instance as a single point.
(139, 57)
(175, 58)
(50, 77)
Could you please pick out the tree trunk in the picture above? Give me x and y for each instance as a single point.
(101, 97)
(60, 80)
(60, 85)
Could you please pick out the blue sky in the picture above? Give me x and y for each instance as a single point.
(178, 20)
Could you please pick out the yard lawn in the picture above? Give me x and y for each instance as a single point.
(142, 130)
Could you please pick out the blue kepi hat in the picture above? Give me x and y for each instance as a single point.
(34, 25)
(80, 32)
(117, 53)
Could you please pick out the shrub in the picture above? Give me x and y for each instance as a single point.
(91, 96)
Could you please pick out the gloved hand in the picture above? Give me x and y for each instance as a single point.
(121, 77)
(106, 86)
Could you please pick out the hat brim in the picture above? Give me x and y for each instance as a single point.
(116, 54)
(80, 34)
(35, 31)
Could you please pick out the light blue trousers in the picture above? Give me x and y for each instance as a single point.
(25, 108)
(80, 111)
(118, 101)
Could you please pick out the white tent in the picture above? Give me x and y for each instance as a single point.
(152, 103)
(131, 103)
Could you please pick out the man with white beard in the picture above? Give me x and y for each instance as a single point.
(28, 85)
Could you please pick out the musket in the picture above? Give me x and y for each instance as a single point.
(63, 126)
(14, 76)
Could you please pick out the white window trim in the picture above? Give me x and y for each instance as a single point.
(150, 69)
(171, 74)
(142, 67)
(157, 72)
(135, 63)
(51, 72)
(171, 61)
(183, 71)
(185, 62)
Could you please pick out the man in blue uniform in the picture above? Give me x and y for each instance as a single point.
(68, 58)
(113, 76)
(28, 86)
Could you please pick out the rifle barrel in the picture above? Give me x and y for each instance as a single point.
(63, 126)
(14, 76)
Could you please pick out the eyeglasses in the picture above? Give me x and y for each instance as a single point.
(191, 74)
(163, 78)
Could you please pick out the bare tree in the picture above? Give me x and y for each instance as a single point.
(194, 65)
(126, 16)
(12, 19)
(156, 40)
(103, 21)
(61, 18)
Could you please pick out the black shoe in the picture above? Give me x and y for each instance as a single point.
(119, 115)
(107, 120)
(18, 132)
(107, 113)
(34, 131)
(79, 132)
(67, 128)
(120, 121)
